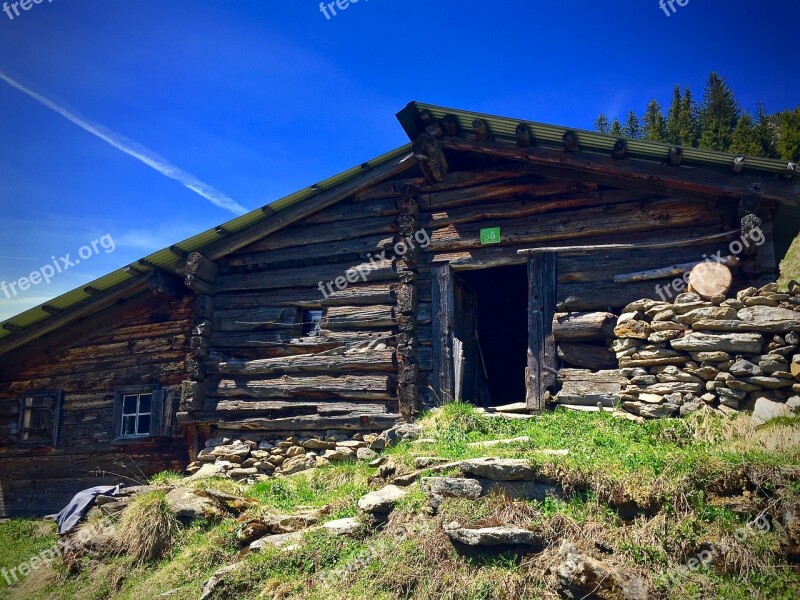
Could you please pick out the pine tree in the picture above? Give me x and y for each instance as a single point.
(744, 139)
(632, 129)
(654, 127)
(674, 116)
(616, 127)
(789, 134)
(687, 127)
(601, 123)
(766, 132)
(718, 115)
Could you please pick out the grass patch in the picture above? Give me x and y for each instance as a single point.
(337, 487)
(21, 540)
(148, 528)
(790, 266)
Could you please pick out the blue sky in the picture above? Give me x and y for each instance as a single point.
(257, 99)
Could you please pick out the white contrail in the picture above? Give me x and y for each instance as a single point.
(135, 150)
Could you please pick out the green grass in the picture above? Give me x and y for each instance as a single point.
(790, 266)
(21, 540)
(678, 469)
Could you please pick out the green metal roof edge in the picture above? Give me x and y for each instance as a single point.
(504, 129)
(167, 260)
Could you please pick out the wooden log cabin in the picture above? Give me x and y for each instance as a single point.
(475, 262)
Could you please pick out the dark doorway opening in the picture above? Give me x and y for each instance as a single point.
(502, 316)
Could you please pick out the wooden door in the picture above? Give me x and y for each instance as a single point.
(541, 371)
(455, 350)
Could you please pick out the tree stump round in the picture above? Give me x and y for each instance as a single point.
(710, 279)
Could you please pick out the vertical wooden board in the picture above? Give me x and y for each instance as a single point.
(541, 369)
(442, 294)
(465, 319)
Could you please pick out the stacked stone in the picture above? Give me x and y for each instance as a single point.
(250, 461)
(725, 353)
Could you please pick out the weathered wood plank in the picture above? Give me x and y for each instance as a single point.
(360, 317)
(579, 326)
(311, 297)
(585, 388)
(587, 222)
(354, 387)
(355, 421)
(367, 360)
(540, 373)
(586, 356)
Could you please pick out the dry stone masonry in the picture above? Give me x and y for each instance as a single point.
(730, 354)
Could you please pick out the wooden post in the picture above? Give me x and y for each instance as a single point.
(406, 267)
(541, 372)
(442, 297)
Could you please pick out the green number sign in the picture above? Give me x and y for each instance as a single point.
(490, 236)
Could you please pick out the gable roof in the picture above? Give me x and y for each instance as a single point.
(416, 118)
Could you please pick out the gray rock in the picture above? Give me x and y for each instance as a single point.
(581, 576)
(382, 501)
(770, 318)
(317, 444)
(689, 407)
(716, 313)
(770, 383)
(192, 505)
(793, 403)
(242, 472)
(766, 410)
(659, 411)
(744, 368)
(217, 441)
(452, 487)
(366, 454)
(350, 526)
(297, 464)
(493, 536)
(424, 462)
(339, 454)
(285, 541)
(720, 342)
(399, 433)
(208, 470)
(499, 469)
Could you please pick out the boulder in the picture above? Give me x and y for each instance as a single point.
(366, 454)
(382, 501)
(766, 410)
(399, 433)
(493, 536)
(499, 469)
(192, 505)
(208, 470)
(581, 576)
(297, 464)
(351, 526)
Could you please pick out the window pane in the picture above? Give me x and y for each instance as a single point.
(129, 405)
(129, 426)
(144, 425)
(40, 420)
(145, 402)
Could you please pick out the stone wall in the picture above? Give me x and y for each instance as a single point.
(731, 354)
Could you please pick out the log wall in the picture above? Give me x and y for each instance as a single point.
(147, 349)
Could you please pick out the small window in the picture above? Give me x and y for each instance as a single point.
(310, 323)
(38, 419)
(137, 412)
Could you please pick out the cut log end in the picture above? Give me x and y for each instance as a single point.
(710, 279)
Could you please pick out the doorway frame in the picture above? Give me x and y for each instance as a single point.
(540, 373)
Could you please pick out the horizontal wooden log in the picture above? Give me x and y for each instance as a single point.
(316, 234)
(499, 191)
(320, 276)
(363, 294)
(199, 286)
(348, 211)
(576, 327)
(323, 252)
(359, 317)
(484, 209)
(586, 356)
(354, 422)
(276, 409)
(452, 180)
(617, 219)
(354, 387)
(367, 360)
(254, 319)
(585, 388)
(275, 338)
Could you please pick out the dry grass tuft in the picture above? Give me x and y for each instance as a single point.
(148, 528)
